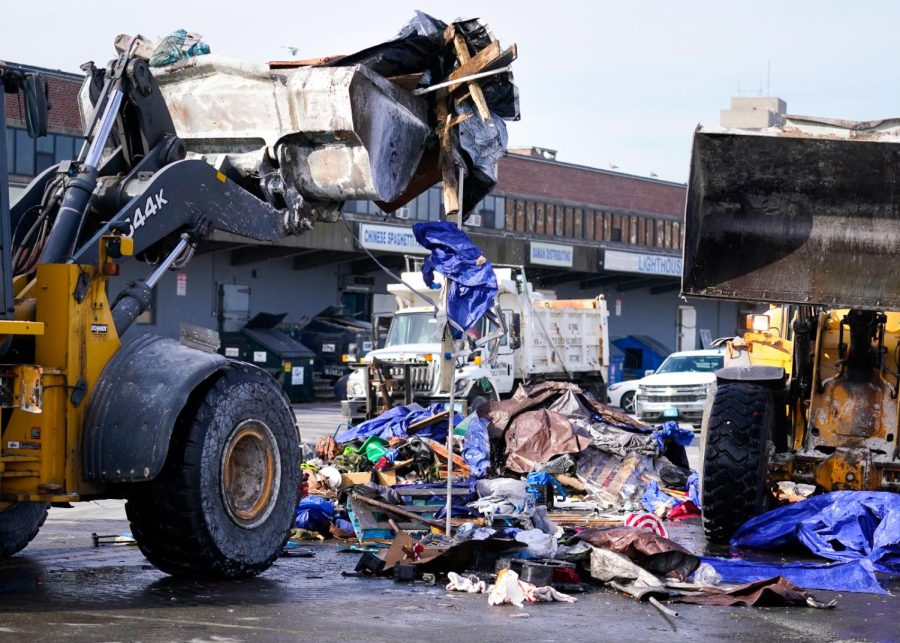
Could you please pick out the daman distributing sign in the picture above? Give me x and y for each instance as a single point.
(646, 264)
(551, 254)
(389, 238)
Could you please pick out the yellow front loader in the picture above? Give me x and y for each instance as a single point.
(806, 216)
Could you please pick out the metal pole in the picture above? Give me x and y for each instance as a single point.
(5, 231)
(452, 365)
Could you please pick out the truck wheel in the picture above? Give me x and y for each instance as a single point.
(627, 402)
(225, 501)
(19, 524)
(735, 458)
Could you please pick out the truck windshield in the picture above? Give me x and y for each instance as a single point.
(691, 364)
(412, 328)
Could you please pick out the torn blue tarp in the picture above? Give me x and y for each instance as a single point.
(177, 45)
(472, 283)
(654, 498)
(477, 447)
(314, 513)
(849, 576)
(395, 423)
(841, 525)
(693, 484)
(671, 431)
(540, 479)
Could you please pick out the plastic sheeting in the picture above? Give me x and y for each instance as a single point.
(473, 285)
(850, 576)
(477, 447)
(314, 513)
(177, 45)
(842, 525)
(538, 436)
(395, 423)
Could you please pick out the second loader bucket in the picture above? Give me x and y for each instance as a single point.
(808, 213)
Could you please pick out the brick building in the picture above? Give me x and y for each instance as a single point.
(579, 231)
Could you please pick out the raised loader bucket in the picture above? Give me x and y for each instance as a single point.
(808, 213)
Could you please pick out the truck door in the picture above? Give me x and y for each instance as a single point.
(503, 368)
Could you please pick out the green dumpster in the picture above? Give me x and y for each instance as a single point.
(286, 359)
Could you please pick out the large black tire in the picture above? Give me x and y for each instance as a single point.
(225, 501)
(736, 438)
(19, 524)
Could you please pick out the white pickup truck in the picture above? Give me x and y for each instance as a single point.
(546, 339)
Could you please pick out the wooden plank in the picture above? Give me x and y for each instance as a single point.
(462, 52)
(408, 82)
(476, 63)
(398, 511)
(488, 61)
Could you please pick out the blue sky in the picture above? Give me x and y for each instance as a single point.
(601, 82)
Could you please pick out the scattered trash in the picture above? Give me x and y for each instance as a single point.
(471, 583)
(176, 46)
(113, 539)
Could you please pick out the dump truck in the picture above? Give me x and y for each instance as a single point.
(203, 448)
(802, 217)
(544, 339)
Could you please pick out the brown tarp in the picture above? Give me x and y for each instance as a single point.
(654, 553)
(546, 394)
(538, 436)
(771, 592)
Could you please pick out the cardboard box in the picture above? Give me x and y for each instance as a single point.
(386, 478)
(350, 479)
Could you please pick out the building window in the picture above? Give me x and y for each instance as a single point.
(10, 149)
(499, 212)
(24, 153)
(540, 212)
(43, 153)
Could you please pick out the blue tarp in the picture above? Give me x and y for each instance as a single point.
(654, 497)
(693, 483)
(477, 447)
(395, 423)
(842, 525)
(538, 479)
(671, 431)
(850, 576)
(472, 287)
(314, 513)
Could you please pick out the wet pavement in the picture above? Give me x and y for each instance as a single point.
(63, 588)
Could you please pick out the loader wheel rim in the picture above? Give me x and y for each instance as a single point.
(251, 473)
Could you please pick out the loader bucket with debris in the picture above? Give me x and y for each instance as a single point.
(805, 213)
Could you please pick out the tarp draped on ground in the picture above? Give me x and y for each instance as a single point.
(842, 525)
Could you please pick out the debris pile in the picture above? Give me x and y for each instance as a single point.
(426, 107)
(553, 493)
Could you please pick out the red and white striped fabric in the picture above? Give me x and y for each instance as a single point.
(646, 521)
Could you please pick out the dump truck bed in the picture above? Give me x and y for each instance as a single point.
(805, 213)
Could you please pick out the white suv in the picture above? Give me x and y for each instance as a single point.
(678, 388)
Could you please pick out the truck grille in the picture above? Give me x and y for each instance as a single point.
(673, 394)
(419, 376)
